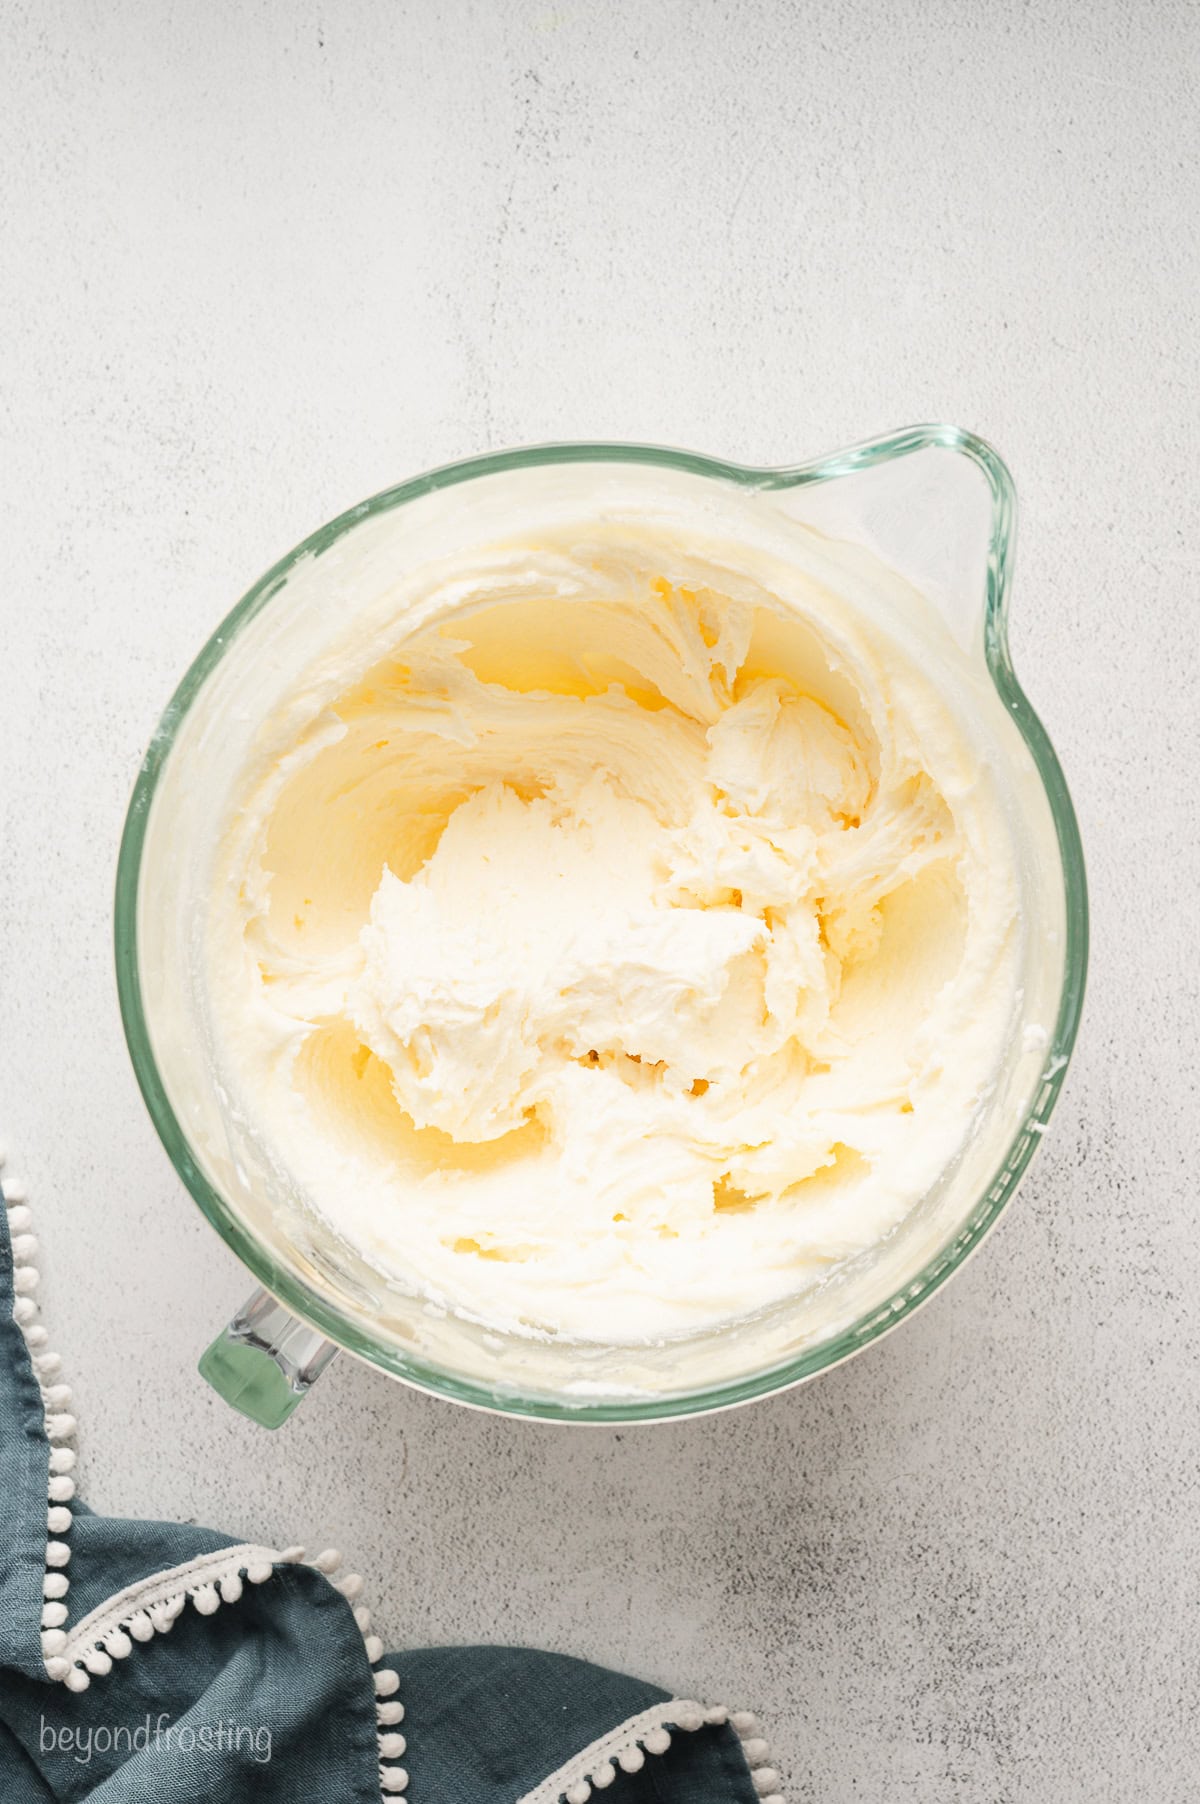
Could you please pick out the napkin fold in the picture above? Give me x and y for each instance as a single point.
(148, 1662)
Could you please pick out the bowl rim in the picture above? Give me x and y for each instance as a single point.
(288, 1286)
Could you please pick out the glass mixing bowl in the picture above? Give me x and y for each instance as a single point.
(921, 519)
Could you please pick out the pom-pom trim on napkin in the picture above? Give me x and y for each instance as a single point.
(74, 1658)
(59, 1423)
(152, 1606)
(625, 1749)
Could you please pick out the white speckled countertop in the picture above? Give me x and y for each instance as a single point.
(260, 262)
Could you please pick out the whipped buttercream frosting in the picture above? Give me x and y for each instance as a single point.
(618, 938)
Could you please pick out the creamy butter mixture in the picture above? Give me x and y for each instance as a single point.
(621, 944)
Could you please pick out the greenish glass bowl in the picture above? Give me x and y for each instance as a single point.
(248, 1372)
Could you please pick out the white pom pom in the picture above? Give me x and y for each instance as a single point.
(57, 1668)
(20, 1219)
(97, 1661)
(688, 1716)
(393, 1778)
(756, 1751)
(55, 1584)
(58, 1519)
(25, 1280)
(231, 1588)
(392, 1746)
(765, 1779)
(386, 1682)
(744, 1721)
(60, 1428)
(62, 1459)
(36, 1336)
(350, 1587)
(118, 1644)
(141, 1627)
(53, 1641)
(24, 1248)
(657, 1741)
(291, 1555)
(15, 1191)
(47, 1365)
(24, 1310)
(374, 1647)
(162, 1620)
(58, 1396)
(57, 1553)
(53, 1615)
(579, 1794)
(631, 1760)
(61, 1490)
(329, 1561)
(604, 1775)
(717, 1713)
(389, 1713)
(206, 1600)
(259, 1572)
(77, 1679)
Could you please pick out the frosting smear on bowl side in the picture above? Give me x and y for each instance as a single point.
(618, 942)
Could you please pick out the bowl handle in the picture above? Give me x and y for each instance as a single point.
(266, 1361)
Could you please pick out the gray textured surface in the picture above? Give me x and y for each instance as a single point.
(260, 262)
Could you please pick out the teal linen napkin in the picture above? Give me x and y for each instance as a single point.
(156, 1663)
